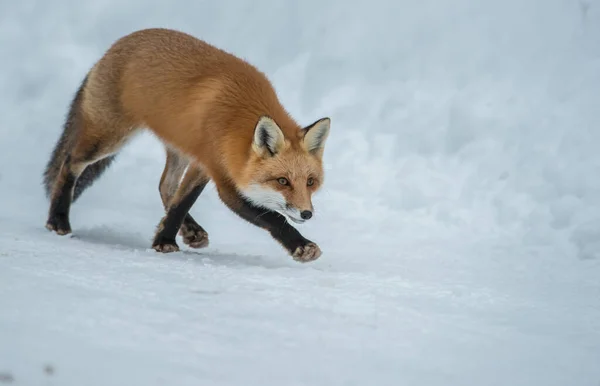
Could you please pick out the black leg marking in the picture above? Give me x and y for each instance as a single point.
(297, 245)
(164, 241)
(275, 223)
(58, 219)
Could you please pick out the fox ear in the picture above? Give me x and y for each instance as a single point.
(315, 135)
(268, 137)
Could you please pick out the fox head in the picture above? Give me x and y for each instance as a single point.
(283, 173)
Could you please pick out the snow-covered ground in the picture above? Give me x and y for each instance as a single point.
(459, 222)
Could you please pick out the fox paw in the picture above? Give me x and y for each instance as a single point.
(165, 246)
(59, 224)
(306, 253)
(194, 236)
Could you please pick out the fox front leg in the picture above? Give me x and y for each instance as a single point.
(299, 247)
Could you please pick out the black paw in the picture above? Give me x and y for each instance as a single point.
(59, 223)
(164, 245)
(194, 235)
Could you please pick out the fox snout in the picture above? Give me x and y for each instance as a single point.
(296, 207)
(298, 215)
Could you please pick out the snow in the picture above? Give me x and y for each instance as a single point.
(459, 221)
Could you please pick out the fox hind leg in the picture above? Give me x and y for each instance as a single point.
(83, 164)
(65, 187)
(61, 197)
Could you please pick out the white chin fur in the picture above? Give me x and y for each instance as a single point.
(270, 199)
(265, 198)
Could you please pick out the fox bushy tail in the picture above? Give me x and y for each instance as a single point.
(63, 148)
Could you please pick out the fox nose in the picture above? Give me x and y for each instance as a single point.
(306, 214)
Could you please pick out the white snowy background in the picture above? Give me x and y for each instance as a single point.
(459, 221)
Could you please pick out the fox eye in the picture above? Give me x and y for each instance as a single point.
(310, 181)
(283, 181)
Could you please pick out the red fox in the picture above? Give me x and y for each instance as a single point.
(219, 118)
